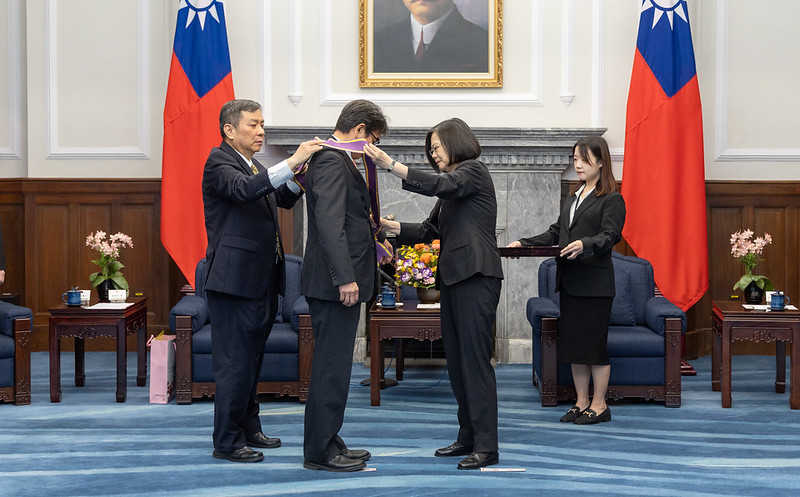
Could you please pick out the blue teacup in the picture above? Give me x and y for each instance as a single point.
(778, 301)
(387, 298)
(72, 297)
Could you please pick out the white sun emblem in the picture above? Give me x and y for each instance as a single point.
(668, 7)
(199, 9)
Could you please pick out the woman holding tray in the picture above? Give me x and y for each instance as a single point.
(589, 226)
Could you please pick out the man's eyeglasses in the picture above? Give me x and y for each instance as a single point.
(376, 140)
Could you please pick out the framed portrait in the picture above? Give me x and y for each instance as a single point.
(430, 43)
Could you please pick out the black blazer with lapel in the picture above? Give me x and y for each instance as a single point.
(340, 247)
(241, 224)
(598, 224)
(464, 219)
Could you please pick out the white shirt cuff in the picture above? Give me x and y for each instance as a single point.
(280, 173)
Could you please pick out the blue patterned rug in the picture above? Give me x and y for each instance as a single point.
(89, 445)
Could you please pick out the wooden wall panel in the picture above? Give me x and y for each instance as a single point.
(55, 254)
(46, 223)
(763, 207)
(12, 218)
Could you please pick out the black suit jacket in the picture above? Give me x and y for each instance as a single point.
(464, 219)
(340, 247)
(598, 224)
(459, 46)
(241, 225)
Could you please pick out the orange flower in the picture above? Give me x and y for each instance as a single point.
(426, 257)
(419, 246)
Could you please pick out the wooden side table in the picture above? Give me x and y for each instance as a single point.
(401, 322)
(732, 322)
(92, 322)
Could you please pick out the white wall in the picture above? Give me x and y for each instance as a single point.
(82, 82)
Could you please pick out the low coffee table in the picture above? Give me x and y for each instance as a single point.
(98, 321)
(406, 321)
(732, 322)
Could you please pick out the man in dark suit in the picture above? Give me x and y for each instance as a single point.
(339, 272)
(435, 37)
(244, 270)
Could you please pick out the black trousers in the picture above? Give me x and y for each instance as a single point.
(334, 338)
(469, 309)
(239, 329)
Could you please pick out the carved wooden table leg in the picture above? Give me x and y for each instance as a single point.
(780, 366)
(80, 362)
(55, 365)
(122, 363)
(375, 365)
(726, 365)
(141, 353)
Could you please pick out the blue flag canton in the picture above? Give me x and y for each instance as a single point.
(202, 50)
(667, 48)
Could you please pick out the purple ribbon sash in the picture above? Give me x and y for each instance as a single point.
(357, 146)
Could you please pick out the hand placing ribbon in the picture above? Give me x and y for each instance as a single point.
(384, 250)
(300, 175)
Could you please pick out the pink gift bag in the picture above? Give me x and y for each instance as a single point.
(162, 368)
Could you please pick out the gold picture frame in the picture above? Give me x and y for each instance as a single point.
(462, 53)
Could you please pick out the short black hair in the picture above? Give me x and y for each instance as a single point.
(458, 140)
(362, 111)
(231, 112)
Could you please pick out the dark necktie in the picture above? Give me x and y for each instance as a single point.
(278, 247)
(421, 47)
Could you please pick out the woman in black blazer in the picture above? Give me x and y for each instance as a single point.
(469, 275)
(589, 226)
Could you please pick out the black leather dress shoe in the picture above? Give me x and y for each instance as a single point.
(262, 441)
(339, 464)
(478, 460)
(456, 449)
(589, 417)
(571, 415)
(356, 454)
(244, 454)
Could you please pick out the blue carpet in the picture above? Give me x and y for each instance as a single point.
(89, 445)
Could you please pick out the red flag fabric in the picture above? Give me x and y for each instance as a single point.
(200, 82)
(663, 179)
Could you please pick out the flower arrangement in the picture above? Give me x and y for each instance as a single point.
(748, 252)
(416, 266)
(109, 252)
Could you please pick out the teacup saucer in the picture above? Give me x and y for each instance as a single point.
(398, 304)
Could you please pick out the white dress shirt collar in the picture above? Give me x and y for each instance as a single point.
(577, 202)
(428, 30)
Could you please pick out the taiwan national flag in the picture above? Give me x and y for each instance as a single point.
(663, 180)
(200, 82)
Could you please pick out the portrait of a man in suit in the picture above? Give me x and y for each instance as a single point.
(431, 36)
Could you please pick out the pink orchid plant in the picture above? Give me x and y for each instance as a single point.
(748, 251)
(109, 252)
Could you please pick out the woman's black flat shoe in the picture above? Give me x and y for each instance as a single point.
(571, 415)
(589, 417)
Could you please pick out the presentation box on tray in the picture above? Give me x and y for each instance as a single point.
(548, 251)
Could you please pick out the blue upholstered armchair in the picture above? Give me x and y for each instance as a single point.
(287, 356)
(644, 338)
(15, 353)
